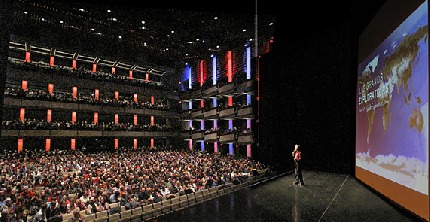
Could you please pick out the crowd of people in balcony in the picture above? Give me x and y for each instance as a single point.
(84, 73)
(36, 186)
(38, 94)
(37, 124)
(221, 131)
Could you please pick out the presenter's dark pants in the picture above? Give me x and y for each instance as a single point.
(298, 173)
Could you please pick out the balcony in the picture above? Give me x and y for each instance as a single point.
(211, 114)
(192, 94)
(186, 134)
(245, 112)
(245, 87)
(197, 114)
(227, 89)
(227, 138)
(83, 133)
(198, 135)
(244, 139)
(16, 102)
(212, 91)
(211, 136)
(229, 112)
(186, 115)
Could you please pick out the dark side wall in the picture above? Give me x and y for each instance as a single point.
(308, 84)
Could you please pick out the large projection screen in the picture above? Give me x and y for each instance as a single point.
(392, 98)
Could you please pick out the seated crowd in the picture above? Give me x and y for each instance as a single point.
(36, 185)
(83, 73)
(34, 124)
(38, 94)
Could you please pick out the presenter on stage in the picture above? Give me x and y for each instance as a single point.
(297, 156)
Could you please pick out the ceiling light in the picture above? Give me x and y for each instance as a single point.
(108, 10)
(216, 17)
(244, 30)
(190, 42)
(43, 19)
(92, 29)
(119, 37)
(82, 10)
(25, 13)
(61, 22)
(197, 39)
(271, 23)
(186, 55)
(251, 40)
(217, 46)
(143, 22)
(114, 19)
(144, 44)
(167, 49)
(172, 31)
(143, 27)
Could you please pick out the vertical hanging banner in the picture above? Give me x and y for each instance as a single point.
(75, 92)
(73, 117)
(51, 89)
(24, 85)
(49, 116)
(22, 115)
(47, 145)
(96, 118)
(73, 144)
(20, 145)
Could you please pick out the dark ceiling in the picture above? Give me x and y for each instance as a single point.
(167, 33)
(157, 33)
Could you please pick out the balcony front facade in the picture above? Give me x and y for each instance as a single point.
(218, 96)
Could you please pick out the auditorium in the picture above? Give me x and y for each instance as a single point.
(214, 111)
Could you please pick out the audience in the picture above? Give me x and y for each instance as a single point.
(36, 185)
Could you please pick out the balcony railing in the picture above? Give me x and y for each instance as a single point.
(243, 139)
(211, 91)
(229, 112)
(211, 114)
(227, 138)
(211, 136)
(227, 88)
(245, 112)
(198, 135)
(197, 114)
(82, 133)
(245, 87)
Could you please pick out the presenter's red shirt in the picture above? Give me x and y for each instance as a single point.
(298, 156)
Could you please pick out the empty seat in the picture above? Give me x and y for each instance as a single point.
(183, 202)
(101, 219)
(157, 211)
(125, 215)
(191, 199)
(199, 196)
(136, 214)
(114, 217)
(67, 217)
(206, 194)
(90, 217)
(147, 212)
(174, 203)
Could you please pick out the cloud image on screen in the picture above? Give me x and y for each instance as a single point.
(392, 106)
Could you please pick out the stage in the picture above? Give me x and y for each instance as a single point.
(324, 197)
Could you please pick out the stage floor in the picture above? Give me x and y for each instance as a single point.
(324, 197)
